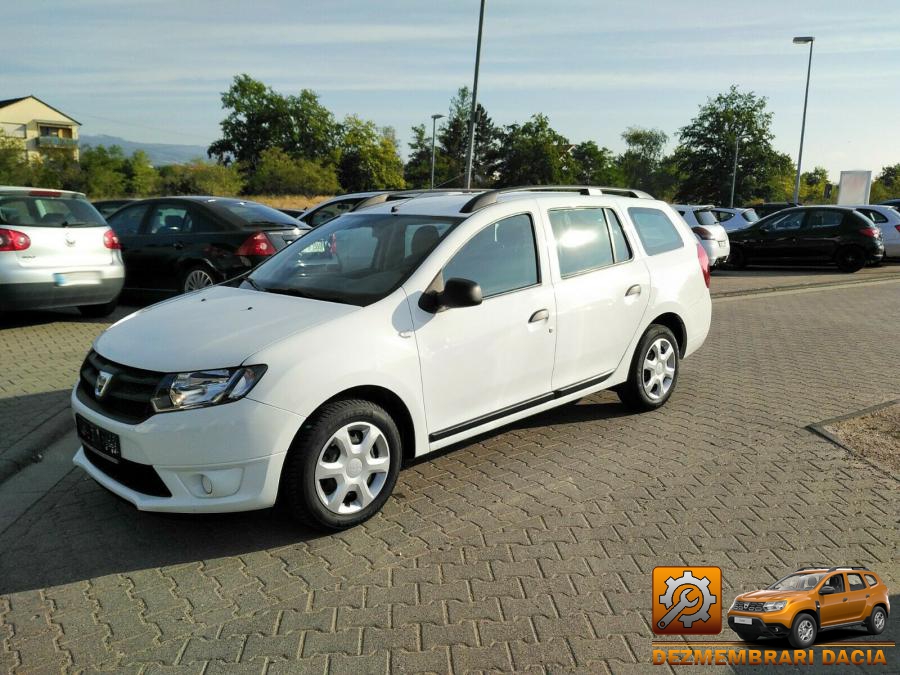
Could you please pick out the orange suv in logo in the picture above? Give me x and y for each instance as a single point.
(809, 601)
(687, 600)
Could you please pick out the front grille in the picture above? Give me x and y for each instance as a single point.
(127, 396)
(742, 606)
(138, 477)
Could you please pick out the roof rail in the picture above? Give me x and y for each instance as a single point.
(835, 569)
(394, 195)
(490, 197)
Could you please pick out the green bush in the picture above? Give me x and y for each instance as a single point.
(277, 173)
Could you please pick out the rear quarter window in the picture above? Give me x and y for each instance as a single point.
(871, 580)
(656, 231)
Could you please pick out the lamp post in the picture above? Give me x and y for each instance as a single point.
(471, 147)
(737, 145)
(434, 119)
(802, 40)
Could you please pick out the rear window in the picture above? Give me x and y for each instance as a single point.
(706, 218)
(750, 216)
(252, 213)
(48, 212)
(874, 216)
(658, 234)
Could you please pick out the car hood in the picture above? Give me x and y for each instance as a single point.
(215, 328)
(771, 596)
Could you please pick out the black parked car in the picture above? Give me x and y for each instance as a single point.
(107, 207)
(824, 234)
(892, 202)
(179, 244)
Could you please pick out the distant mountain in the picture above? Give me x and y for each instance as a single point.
(159, 153)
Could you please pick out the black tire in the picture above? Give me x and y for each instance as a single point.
(737, 258)
(298, 481)
(99, 311)
(850, 259)
(633, 392)
(803, 631)
(876, 618)
(191, 274)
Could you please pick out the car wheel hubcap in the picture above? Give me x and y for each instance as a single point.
(879, 620)
(806, 631)
(658, 372)
(197, 279)
(352, 468)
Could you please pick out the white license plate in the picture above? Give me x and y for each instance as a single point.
(743, 619)
(76, 279)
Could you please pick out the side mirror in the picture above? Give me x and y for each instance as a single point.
(457, 293)
(826, 590)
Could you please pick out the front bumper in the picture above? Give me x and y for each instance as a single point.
(209, 460)
(48, 294)
(758, 627)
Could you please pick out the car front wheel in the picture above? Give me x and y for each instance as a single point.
(343, 465)
(654, 370)
(803, 631)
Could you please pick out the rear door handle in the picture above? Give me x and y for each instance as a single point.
(540, 315)
(634, 290)
(178, 245)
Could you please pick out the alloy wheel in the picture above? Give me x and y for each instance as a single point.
(879, 621)
(658, 371)
(805, 631)
(196, 280)
(352, 468)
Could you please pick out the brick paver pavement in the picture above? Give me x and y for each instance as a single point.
(529, 549)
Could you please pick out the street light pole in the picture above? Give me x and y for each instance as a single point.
(802, 41)
(471, 147)
(737, 145)
(434, 119)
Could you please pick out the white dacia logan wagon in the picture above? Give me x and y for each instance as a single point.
(386, 334)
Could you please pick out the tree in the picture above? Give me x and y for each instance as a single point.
(812, 187)
(641, 159)
(260, 118)
(278, 173)
(453, 138)
(706, 151)
(14, 169)
(595, 165)
(141, 178)
(201, 178)
(369, 159)
(104, 171)
(886, 185)
(534, 153)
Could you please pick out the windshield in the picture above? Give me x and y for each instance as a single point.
(798, 582)
(750, 216)
(252, 213)
(24, 210)
(356, 259)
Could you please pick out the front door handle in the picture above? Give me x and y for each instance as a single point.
(634, 290)
(540, 315)
(845, 599)
(178, 245)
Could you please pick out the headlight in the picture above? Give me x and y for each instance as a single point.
(774, 606)
(184, 391)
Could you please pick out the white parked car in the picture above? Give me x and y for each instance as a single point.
(734, 218)
(56, 250)
(887, 218)
(711, 235)
(384, 335)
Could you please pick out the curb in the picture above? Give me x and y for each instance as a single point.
(803, 287)
(29, 450)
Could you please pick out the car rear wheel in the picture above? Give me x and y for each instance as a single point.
(850, 259)
(196, 278)
(803, 631)
(737, 258)
(876, 621)
(654, 370)
(99, 311)
(343, 465)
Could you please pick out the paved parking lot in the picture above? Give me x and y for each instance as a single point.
(529, 550)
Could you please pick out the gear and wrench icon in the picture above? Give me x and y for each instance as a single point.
(667, 599)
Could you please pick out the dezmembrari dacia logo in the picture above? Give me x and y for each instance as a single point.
(687, 600)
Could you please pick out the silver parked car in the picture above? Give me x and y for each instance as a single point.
(887, 218)
(56, 250)
(734, 219)
(712, 236)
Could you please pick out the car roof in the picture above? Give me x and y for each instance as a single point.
(46, 192)
(465, 204)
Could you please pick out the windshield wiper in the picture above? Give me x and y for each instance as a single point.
(255, 285)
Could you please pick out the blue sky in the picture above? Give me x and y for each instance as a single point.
(153, 70)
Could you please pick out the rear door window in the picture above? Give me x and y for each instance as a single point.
(657, 233)
(582, 240)
(822, 218)
(856, 582)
